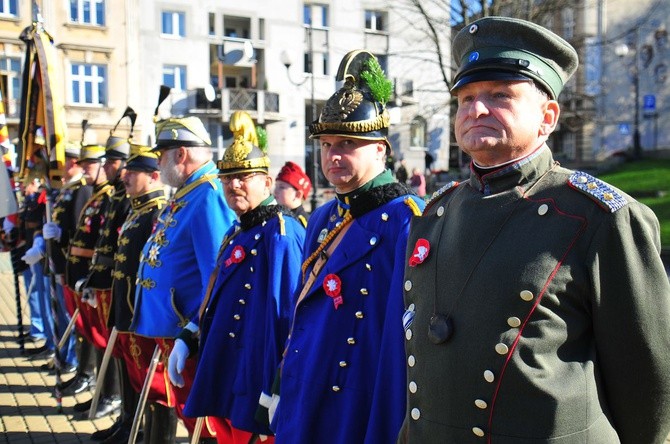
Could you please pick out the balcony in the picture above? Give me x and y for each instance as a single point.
(262, 106)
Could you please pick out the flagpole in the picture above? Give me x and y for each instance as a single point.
(35, 44)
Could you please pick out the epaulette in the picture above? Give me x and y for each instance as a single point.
(411, 203)
(439, 193)
(282, 226)
(602, 193)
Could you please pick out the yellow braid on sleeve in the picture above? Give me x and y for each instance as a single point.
(282, 224)
(413, 206)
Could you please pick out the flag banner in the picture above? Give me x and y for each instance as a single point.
(42, 104)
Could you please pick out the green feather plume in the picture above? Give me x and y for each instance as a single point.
(262, 138)
(380, 87)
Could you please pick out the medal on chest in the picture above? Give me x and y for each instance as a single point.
(236, 256)
(332, 285)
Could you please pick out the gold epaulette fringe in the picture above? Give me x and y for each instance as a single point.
(413, 206)
(282, 224)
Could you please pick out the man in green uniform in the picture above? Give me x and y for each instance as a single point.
(537, 305)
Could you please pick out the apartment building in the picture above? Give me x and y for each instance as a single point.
(92, 40)
(277, 63)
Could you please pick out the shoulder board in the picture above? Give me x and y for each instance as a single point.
(282, 224)
(441, 192)
(411, 203)
(602, 193)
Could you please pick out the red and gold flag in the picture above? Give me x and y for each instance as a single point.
(42, 103)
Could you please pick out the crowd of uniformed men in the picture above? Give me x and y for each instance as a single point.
(221, 306)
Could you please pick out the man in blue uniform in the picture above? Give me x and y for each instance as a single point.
(538, 308)
(180, 255)
(246, 310)
(343, 373)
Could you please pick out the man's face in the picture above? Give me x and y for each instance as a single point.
(72, 168)
(350, 163)
(286, 195)
(246, 191)
(93, 172)
(138, 182)
(111, 167)
(498, 121)
(170, 171)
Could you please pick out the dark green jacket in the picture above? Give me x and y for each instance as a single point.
(561, 312)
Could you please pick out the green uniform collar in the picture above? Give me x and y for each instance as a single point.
(519, 173)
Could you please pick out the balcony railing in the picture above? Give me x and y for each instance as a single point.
(261, 105)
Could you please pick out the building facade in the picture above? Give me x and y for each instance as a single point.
(279, 64)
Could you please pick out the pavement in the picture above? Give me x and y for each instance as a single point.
(28, 412)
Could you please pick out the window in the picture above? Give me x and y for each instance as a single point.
(89, 12)
(568, 17)
(9, 8)
(174, 76)
(11, 69)
(321, 64)
(212, 24)
(173, 24)
(417, 132)
(89, 84)
(375, 21)
(315, 15)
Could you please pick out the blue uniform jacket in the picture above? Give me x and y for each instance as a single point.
(343, 375)
(179, 256)
(246, 322)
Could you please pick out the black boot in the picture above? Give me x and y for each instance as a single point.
(101, 435)
(163, 425)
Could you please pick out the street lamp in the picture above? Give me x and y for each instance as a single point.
(622, 51)
(286, 60)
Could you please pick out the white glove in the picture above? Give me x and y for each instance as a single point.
(88, 296)
(51, 230)
(32, 256)
(177, 361)
(7, 225)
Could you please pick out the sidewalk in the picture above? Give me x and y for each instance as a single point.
(28, 412)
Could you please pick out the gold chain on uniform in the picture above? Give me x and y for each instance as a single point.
(347, 219)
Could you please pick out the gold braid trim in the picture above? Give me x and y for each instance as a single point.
(347, 219)
(258, 162)
(380, 122)
(413, 206)
(282, 224)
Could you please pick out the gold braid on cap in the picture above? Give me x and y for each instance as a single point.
(340, 105)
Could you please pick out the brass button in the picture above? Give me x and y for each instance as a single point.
(526, 295)
(440, 211)
(408, 334)
(488, 376)
(411, 360)
(336, 388)
(343, 364)
(412, 387)
(542, 210)
(502, 349)
(481, 404)
(408, 285)
(514, 322)
(478, 432)
(416, 413)
(236, 317)
(351, 341)
(359, 315)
